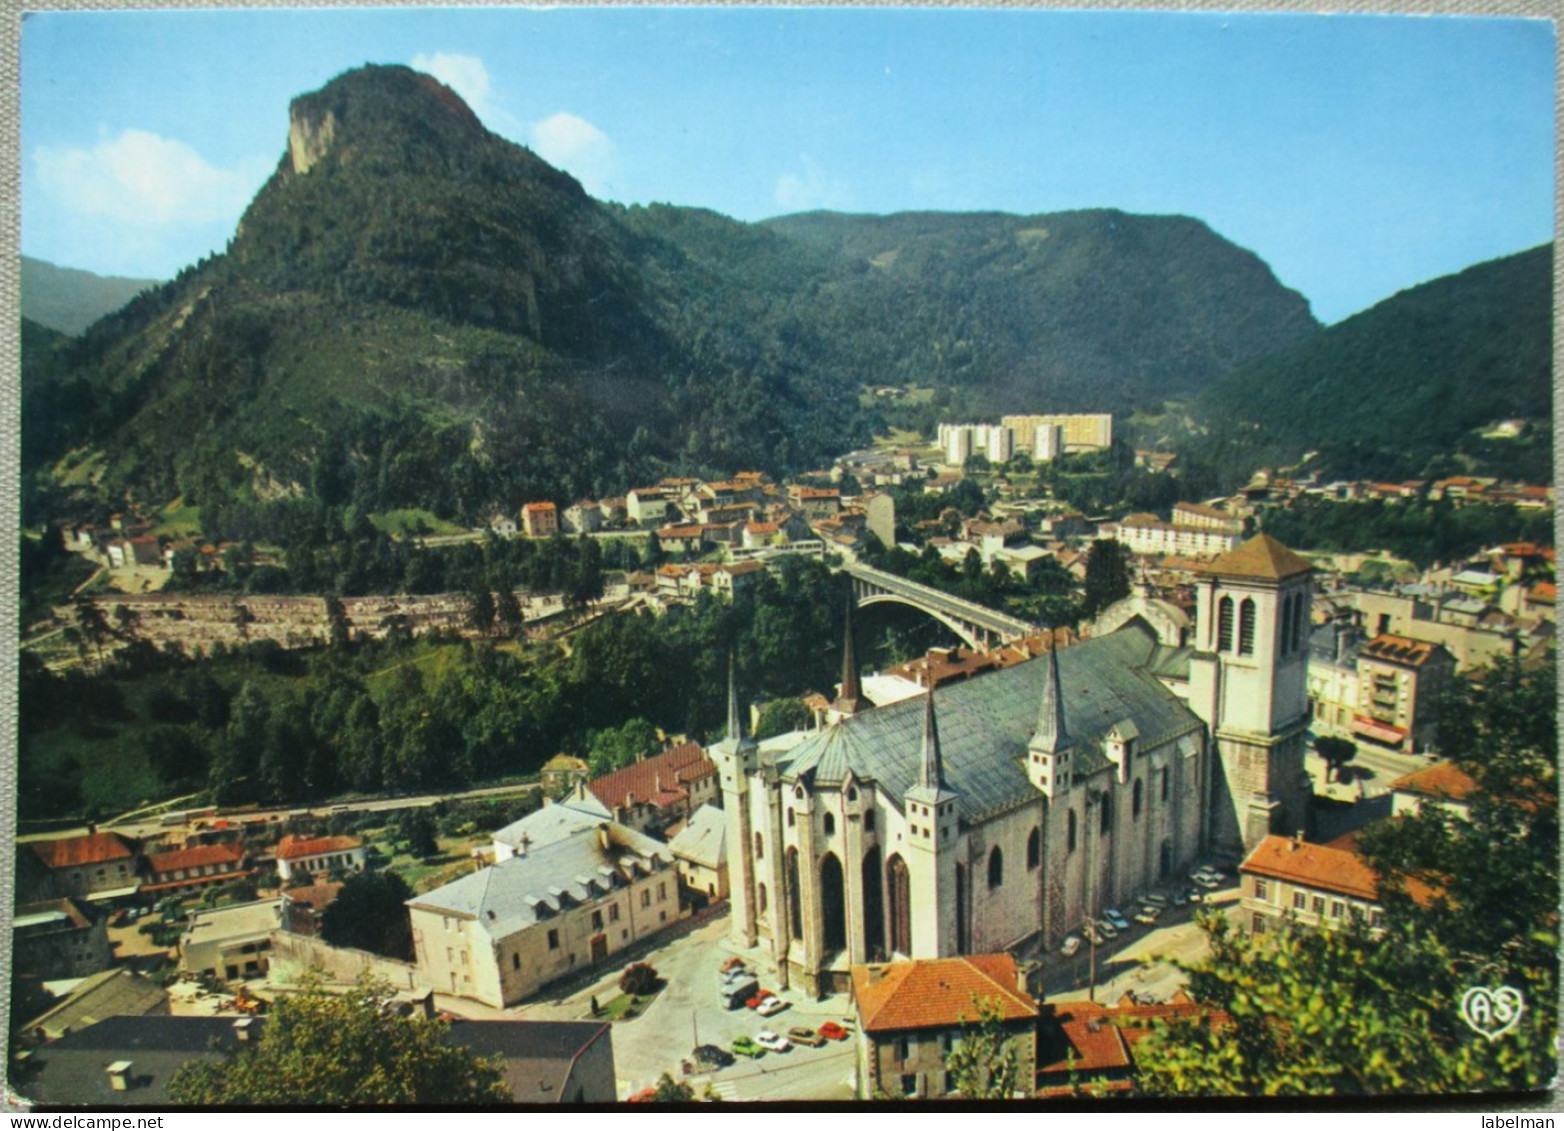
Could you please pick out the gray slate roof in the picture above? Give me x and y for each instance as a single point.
(703, 839)
(566, 864)
(986, 722)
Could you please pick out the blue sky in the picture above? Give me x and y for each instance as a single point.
(1357, 155)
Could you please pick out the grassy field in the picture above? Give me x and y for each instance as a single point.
(401, 523)
(178, 520)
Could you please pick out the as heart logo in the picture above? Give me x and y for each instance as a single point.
(1492, 1012)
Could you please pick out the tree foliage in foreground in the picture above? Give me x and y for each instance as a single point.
(329, 1049)
(984, 1065)
(1343, 1013)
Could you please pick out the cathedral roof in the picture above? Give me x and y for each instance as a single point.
(985, 724)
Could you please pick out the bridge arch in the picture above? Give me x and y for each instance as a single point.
(968, 637)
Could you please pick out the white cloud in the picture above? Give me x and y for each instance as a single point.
(465, 74)
(812, 188)
(577, 146)
(145, 180)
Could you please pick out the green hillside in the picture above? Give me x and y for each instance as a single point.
(417, 313)
(1409, 386)
(68, 300)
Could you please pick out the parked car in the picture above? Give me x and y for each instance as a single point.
(1149, 915)
(802, 1035)
(1116, 917)
(755, 1000)
(734, 963)
(1195, 895)
(776, 1042)
(1209, 882)
(831, 1031)
(736, 991)
(745, 1046)
(711, 1057)
(1072, 943)
(1155, 899)
(1092, 935)
(771, 1005)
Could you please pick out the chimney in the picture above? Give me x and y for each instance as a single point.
(1297, 840)
(242, 1028)
(523, 844)
(602, 837)
(657, 782)
(119, 1075)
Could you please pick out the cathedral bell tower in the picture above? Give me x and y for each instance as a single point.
(1248, 681)
(931, 849)
(1048, 761)
(736, 760)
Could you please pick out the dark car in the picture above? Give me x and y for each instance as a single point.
(711, 1057)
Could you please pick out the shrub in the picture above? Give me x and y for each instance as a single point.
(639, 979)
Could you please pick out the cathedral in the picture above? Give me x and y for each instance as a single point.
(1007, 809)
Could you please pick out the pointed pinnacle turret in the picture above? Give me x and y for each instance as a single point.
(735, 726)
(932, 772)
(1051, 736)
(850, 698)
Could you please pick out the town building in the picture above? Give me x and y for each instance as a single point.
(190, 869)
(120, 992)
(96, 866)
(569, 889)
(1444, 785)
(1312, 885)
(1012, 805)
(128, 1061)
(701, 848)
(539, 520)
(1333, 677)
(305, 859)
(584, 517)
(1147, 534)
(912, 1015)
(653, 793)
(57, 939)
(1081, 432)
(1399, 684)
(231, 942)
(1087, 1048)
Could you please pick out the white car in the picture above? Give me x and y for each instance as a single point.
(1149, 915)
(1071, 944)
(1106, 929)
(1208, 881)
(771, 1005)
(1114, 916)
(776, 1042)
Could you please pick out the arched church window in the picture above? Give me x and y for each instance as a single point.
(852, 794)
(1136, 803)
(1246, 628)
(1164, 783)
(791, 819)
(830, 825)
(1224, 625)
(760, 848)
(1300, 621)
(760, 898)
(1034, 850)
(1069, 839)
(996, 867)
(1289, 610)
(1107, 819)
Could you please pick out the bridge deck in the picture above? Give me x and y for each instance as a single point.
(1001, 624)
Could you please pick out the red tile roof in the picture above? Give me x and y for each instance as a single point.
(1312, 865)
(198, 857)
(538, 508)
(1443, 779)
(1399, 650)
(657, 780)
(937, 992)
(293, 847)
(75, 851)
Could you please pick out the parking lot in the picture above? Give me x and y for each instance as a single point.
(688, 1012)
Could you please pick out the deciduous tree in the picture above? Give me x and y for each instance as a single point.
(330, 1050)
